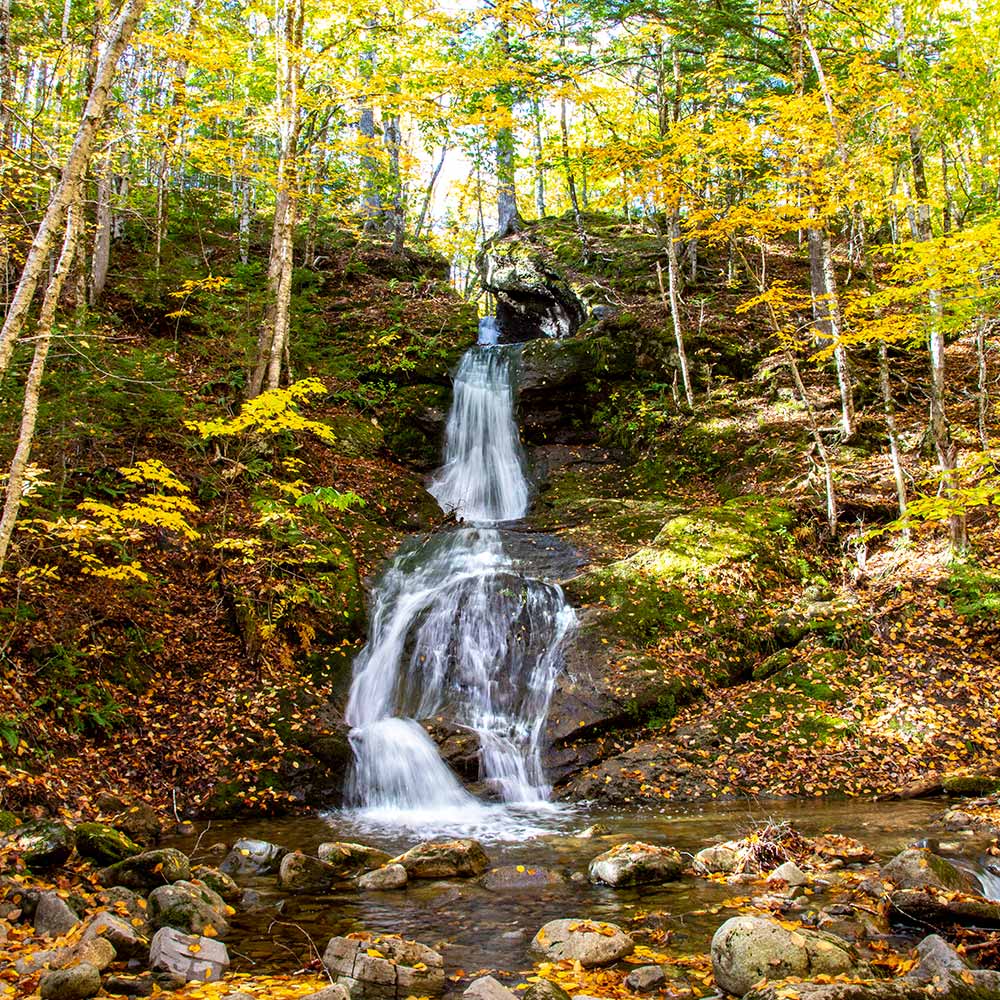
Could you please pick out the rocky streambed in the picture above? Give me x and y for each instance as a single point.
(832, 900)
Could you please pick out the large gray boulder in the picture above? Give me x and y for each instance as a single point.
(591, 943)
(302, 873)
(188, 957)
(146, 871)
(76, 983)
(253, 857)
(189, 906)
(464, 858)
(351, 859)
(719, 858)
(384, 968)
(747, 949)
(636, 864)
(126, 939)
(921, 868)
(43, 843)
(53, 917)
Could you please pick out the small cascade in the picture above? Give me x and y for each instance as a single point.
(458, 630)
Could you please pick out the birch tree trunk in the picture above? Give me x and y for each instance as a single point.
(893, 434)
(673, 307)
(70, 179)
(429, 193)
(536, 110)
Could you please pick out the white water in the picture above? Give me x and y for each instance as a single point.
(457, 634)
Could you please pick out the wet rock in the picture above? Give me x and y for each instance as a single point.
(103, 844)
(219, 882)
(488, 988)
(719, 858)
(302, 873)
(789, 873)
(351, 859)
(936, 960)
(253, 857)
(78, 983)
(140, 821)
(389, 877)
(970, 783)
(545, 989)
(398, 969)
(636, 864)
(748, 949)
(978, 986)
(645, 978)
(332, 992)
(124, 902)
(921, 868)
(594, 830)
(126, 939)
(463, 858)
(188, 957)
(53, 917)
(830, 848)
(519, 877)
(929, 907)
(129, 986)
(148, 870)
(590, 943)
(188, 906)
(43, 843)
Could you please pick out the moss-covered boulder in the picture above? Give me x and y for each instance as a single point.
(8, 821)
(970, 783)
(103, 844)
(191, 907)
(356, 436)
(148, 870)
(42, 843)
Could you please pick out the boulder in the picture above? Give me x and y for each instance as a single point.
(333, 992)
(636, 864)
(98, 952)
(253, 857)
(76, 983)
(389, 877)
(936, 960)
(938, 908)
(789, 873)
(514, 877)
(146, 871)
(981, 986)
(129, 986)
(103, 844)
(43, 843)
(128, 942)
(545, 989)
(188, 906)
(140, 821)
(591, 943)
(125, 903)
(645, 978)
(719, 858)
(747, 949)
(921, 868)
(384, 967)
(351, 859)
(219, 882)
(445, 859)
(301, 873)
(488, 988)
(187, 957)
(970, 783)
(53, 917)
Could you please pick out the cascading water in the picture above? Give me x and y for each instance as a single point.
(457, 632)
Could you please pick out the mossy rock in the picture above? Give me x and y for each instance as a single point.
(772, 664)
(970, 783)
(356, 437)
(103, 844)
(42, 843)
(8, 821)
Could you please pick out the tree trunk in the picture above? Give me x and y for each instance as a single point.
(32, 390)
(983, 385)
(72, 175)
(395, 222)
(893, 434)
(539, 160)
(672, 306)
(508, 217)
(571, 180)
(429, 193)
(101, 257)
(6, 76)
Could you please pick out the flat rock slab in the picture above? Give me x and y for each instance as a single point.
(188, 956)
(520, 877)
(384, 967)
(591, 943)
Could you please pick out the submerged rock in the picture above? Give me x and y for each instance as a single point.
(636, 864)
(188, 957)
(591, 943)
(464, 858)
(519, 877)
(389, 877)
(384, 967)
(747, 949)
(146, 871)
(301, 873)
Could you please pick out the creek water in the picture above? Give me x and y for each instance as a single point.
(464, 631)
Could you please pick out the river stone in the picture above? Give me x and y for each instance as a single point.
(488, 988)
(333, 992)
(301, 873)
(545, 989)
(140, 821)
(43, 843)
(148, 870)
(636, 864)
(188, 957)
(938, 909)
(982, 986)
(519, 877)
(789, 873)
(719, 858)
(188, 906)
(445, 859)
(127, 941)
(103, 844)
(398, 969)
(645, 978)
(77, 983)
(98, 952)
(351, 859)
(921, 868)
(591, 943)
(389, 877)
(219, 882)
(253, 857)
(747, 949)
(53, 917)
(129, 986)
(936, 960)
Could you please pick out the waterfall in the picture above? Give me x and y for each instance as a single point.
(458, 630)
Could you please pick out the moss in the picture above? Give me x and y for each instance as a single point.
(970, 783)
(356, 437)
(8, 821)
